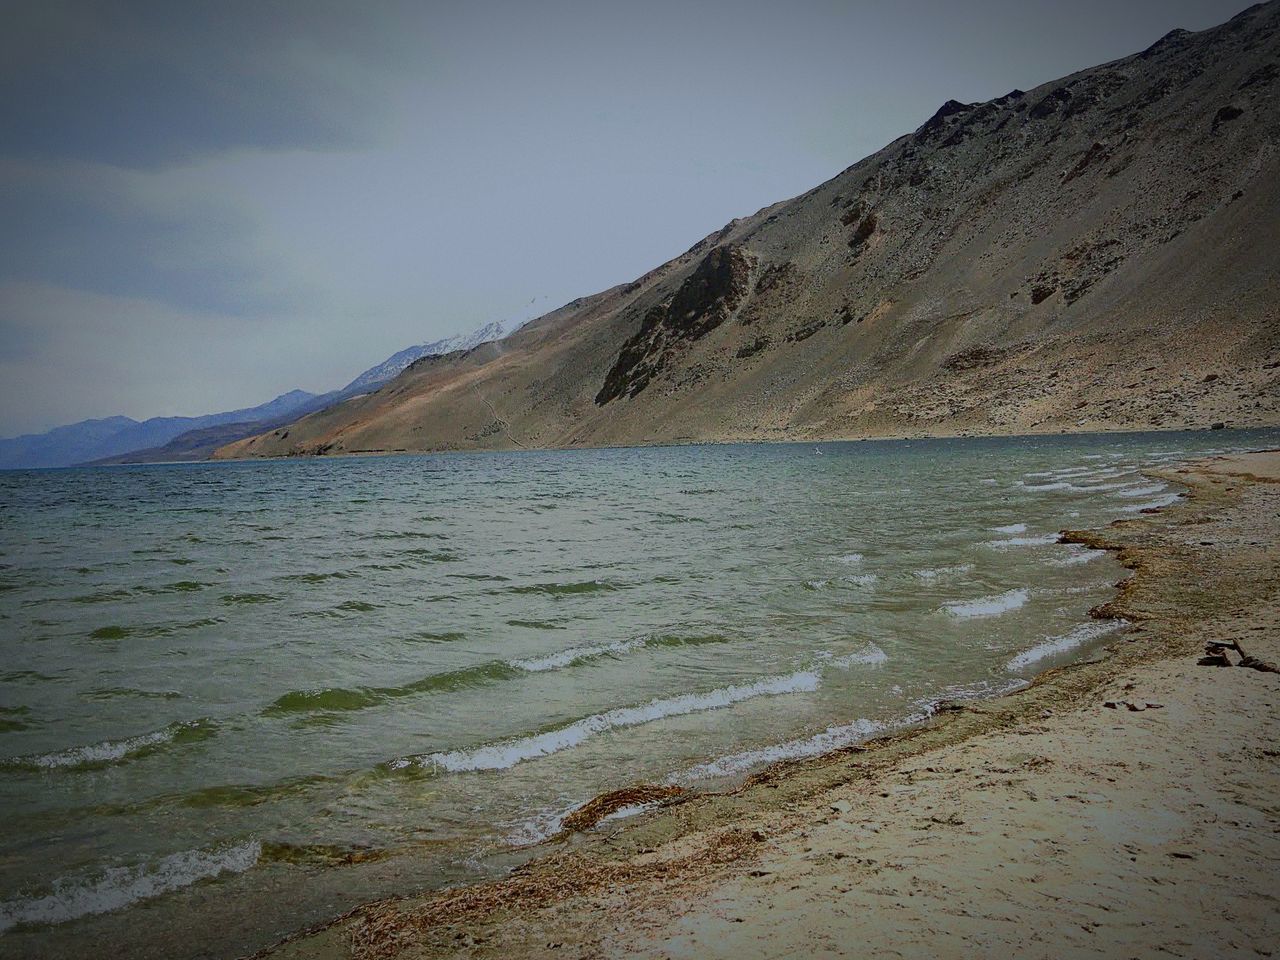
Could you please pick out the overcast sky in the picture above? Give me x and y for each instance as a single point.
(203, 205)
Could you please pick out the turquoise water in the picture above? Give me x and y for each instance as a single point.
(238, 698)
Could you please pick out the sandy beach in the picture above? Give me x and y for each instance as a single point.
(1123, 806)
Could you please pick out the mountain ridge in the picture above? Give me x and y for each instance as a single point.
(1089, 254)
(120, 439)
(107, 436)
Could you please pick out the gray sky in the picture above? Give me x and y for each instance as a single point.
(203, 205)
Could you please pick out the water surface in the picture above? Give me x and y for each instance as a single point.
(237, 698)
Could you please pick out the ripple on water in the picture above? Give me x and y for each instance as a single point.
(234, 599)
(15, 718)
(566, 589)
(107, 753)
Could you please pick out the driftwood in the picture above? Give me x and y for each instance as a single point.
(1215, 654)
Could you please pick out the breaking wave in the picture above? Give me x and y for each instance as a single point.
(1052, 646)
(991, 606)
(109, 752)
(119, 887)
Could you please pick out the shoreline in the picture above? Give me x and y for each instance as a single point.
(1227, 430)
(564, 899)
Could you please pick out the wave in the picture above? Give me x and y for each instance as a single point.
(1036, 540)
(119, 887)
(501, 756)
(862, 579)
(337, 699)
(1076, 637)
(991, 606)
(1142, 491)
(935, 573)
(537, 827)
(871, 654)
(242, 598)
(1041, 487)
(564, 658)
(848, 558)
(1010, 528)
(109, 752)
(318, 577)
(563, 589)
(1064, 472)
(1156, 504)
(1078, 556)
(838, 737)
(832, 738)
(360, 698)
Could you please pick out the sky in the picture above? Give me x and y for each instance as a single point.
(206, 204)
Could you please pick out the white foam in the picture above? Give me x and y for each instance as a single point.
(833, 738)
(1154, 504)
(838, 737)
(538, 827)
(1010, 528)
(631, 810)
(105, 751)
(933, 573)
(849, 558)
(554, 661)
(817, 584)
(1037, 540)
(1104, 487)
(871, 655)
(1055, 485)
(1051, 646)
(991, 606)
(501, 756)
(1142, 491)
(119, 887)
(1076, 557)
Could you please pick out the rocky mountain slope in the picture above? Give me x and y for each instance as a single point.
(1096, 253)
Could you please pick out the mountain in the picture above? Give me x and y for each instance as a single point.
(199, 442)
(94, 439)
(1096, 253)
(375, 377)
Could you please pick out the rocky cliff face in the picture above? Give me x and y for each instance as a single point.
(1098, 252)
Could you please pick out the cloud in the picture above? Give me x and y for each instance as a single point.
(142, 84)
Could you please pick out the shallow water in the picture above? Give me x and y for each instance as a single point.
(236, 698)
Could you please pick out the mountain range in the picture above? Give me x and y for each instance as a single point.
(1098, 252)
(122, 439)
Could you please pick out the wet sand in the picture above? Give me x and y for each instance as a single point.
(1127, 805)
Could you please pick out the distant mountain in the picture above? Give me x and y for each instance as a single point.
(199, 441)
(96, 439)
(390, 368)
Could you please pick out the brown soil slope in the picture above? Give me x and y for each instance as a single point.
(1099, 252)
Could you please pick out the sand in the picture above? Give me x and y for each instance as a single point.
(1054, 822)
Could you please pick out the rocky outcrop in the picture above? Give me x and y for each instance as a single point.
(705, 300)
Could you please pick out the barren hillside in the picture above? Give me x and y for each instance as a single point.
(1097, 253)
